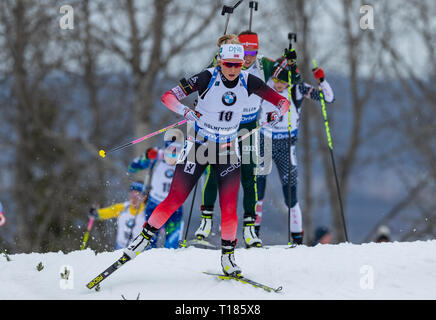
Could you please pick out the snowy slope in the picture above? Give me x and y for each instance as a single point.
(404, 270)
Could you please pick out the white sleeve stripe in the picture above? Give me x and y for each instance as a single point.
(178, 92)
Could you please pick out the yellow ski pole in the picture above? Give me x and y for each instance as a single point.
(291, 36)
(330, 144)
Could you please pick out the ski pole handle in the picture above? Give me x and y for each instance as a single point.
(252, 5)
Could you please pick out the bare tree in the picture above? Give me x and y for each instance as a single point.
(413, 117)
(149, 46)
(23, 28)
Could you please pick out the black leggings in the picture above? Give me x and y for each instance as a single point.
(280, 156)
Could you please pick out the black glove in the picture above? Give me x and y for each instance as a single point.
(290, 55)
(92, 213)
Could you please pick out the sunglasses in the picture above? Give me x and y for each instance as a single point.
(250, 53)
(232, 64)
(172, 153)
(281, 81)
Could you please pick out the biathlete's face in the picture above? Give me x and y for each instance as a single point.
(280, 85)
(249, 57)
(136, 198)
(231, 68)
(172, 153)
(327, 239)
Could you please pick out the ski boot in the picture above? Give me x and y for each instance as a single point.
(141, 242)
(250, 237)
(258, 220)
(257, 224)
(297, 238)
(257, 230)
(205, 227)
(228, 263)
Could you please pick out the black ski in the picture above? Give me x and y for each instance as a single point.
(94, 282)
(245, 280)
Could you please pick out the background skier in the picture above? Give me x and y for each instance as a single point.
(129, 214)
(279, 133)
(162, 163)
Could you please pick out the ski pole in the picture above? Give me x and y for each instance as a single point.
(86, 235)
(229, 11)
(245, 136)
(2, 219)
(252, 5)
(183, 243)
(291, 36)
(330, 144)
(103, 153)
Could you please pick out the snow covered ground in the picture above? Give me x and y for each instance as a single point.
(404, 270)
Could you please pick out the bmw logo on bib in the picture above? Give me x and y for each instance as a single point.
(229, 98)
(169, 173)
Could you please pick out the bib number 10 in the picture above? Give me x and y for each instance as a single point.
(226, 115)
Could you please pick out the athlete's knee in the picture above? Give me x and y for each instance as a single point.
(229, 222)
(260, 187)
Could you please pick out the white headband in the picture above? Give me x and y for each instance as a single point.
(232, 51)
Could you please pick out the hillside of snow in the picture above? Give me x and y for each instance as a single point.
(405, 270)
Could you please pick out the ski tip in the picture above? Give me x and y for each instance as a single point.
(102, 153)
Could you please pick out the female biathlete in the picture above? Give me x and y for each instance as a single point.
(212, 139)
(279, 133)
